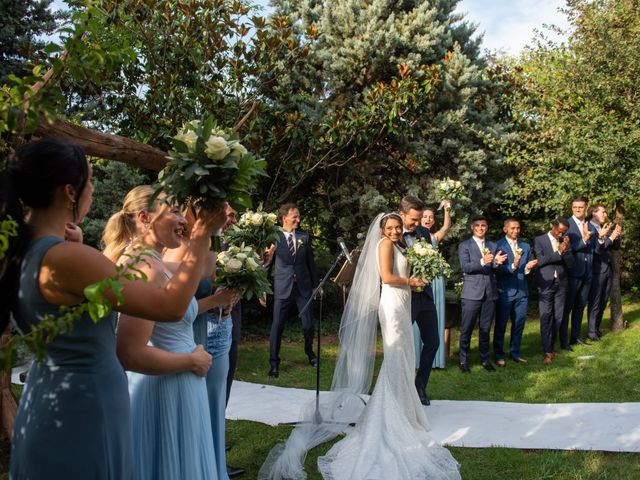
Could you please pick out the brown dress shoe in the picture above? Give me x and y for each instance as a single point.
(548, 359)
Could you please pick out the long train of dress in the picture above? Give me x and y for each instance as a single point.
(390, 440)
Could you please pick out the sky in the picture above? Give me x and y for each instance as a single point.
(508, 25)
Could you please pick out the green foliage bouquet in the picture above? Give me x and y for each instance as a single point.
(240, 268)
(208, 165)
(257, 229)
(426, 261)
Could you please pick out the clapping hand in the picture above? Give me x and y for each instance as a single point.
(617, 231)
(564, 245)
(487, 258)
(531, 264)
(586, 234)
(500, 258)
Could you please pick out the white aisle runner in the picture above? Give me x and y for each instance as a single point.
(564, 426)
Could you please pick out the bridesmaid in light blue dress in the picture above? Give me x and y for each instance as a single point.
(172, 436)
(438, 286)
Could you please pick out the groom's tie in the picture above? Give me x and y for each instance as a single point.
(292, 248)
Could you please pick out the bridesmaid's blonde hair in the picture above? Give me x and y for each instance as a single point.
(121, 227)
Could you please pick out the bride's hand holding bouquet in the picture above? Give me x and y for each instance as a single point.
(426, 262)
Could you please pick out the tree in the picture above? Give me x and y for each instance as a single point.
(577, 111)
(22, 22)
(369, 101)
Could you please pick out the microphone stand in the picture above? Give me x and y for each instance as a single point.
(317, 417)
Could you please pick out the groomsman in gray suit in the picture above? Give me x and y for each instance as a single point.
(294, 281)
(607, 240)
(479, 257)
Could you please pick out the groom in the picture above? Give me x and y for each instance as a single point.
(423, 310)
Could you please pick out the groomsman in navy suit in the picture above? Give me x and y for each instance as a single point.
(582, 245)
(607, 240)
(294, 281)
(479, 258)
(553, 251)
(513, 292)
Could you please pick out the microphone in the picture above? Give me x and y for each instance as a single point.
(345, 250)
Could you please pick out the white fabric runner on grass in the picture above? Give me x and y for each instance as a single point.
(611, 427)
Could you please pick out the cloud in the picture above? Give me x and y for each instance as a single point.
(508, 25)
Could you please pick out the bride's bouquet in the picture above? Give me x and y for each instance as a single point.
(449, 189)
(208, 165)
(426, 261)
(240, 268)
(257, 229)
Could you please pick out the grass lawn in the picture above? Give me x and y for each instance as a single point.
(612, 376)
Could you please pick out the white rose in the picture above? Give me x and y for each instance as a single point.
(217, 148)
(238, 150)
(251, 264)
(256, 219)
(234, 265)
(272, 218)
(241, 256)
(189, 138)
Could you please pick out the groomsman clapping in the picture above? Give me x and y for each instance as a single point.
(479, 258)
(608, 239)
(513, 292)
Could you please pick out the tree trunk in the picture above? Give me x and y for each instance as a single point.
(105, 145)
(617, 320)
(8, 403)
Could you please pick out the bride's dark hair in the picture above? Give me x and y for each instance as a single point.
(385, 219)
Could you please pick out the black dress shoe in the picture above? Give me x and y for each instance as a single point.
(464, 368)
(582, 343)
(234, 472)
(273, 373)
(568, 348)
(488, 366)
(313, 360)
(424, 400)
(227, 447)
(594, 339)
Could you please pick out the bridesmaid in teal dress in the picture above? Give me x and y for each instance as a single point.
(169, 404)
(438, 286)
(73, 420)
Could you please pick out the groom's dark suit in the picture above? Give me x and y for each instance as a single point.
(552, 280)
(295, 278)
(479, 295)
(423, 313)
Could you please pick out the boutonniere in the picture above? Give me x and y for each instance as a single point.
(299, 242)
(485, 251)
(519, 251)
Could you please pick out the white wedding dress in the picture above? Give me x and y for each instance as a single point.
(390, 440)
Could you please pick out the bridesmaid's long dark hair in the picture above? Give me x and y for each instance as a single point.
(30, 180)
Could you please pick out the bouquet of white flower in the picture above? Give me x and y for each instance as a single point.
(240, 268)
(426, 261)
(207, 166)
(257, 229)
(449, 189)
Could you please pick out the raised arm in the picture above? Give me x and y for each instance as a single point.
(446, 225)
(68, 268)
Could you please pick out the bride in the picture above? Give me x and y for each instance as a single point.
(390, 439)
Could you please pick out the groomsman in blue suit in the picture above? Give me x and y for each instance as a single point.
(294, 281)
(513, 292)
(554, 255)
(479, 258)
(582, 246)
(607, 240)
